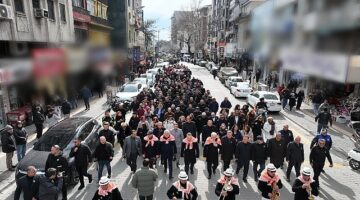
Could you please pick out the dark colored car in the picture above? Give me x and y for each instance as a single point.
(62, 134)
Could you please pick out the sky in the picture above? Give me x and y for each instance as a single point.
(162, 10)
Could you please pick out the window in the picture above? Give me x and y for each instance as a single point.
(86, 130)
(36, 3)
(95, 7)
(78, 3)
(99, 9)
(19, 6)
(51, 9)
(91, 7)
(62, 12)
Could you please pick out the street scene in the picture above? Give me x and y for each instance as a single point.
(182, 99)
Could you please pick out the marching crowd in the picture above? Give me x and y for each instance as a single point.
(176, 120)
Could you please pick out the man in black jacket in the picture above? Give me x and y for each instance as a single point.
(20, 136)
(57, 161)
(189, 126)
(104, 154)
(295, 157)
(200, 122)
(277, 150)
(243, 156)
(213, 105)
(227, 150)
(318, 155)
(303, 184)
(287, 134)
(107, 133)
(237, 119)
(258, 156)
(323, 119)
(83, 158)
(207, 130)
(8, 146)
(39, 118)
(27, 184)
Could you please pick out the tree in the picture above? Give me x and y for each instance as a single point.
(149, 32)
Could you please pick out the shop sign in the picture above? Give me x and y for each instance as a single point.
(330, 66)
(12, 71)
(48, 63)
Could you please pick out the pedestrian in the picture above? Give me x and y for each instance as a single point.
(39, 119)
(107, 190)
(237, 133)
(213, 106)
(323, 119)
(190, 152)
(200, 122)
(108, 132)
(182, 189)
(225, 105)
(316, 101)
(304, 186)
(322, 135)
(324, 105)
(243, 156)
(159, 129)
(108, 118)
(258, 156)
(300, 98)
(57, 161)
(269, 183)
(269, 129)
(287, 134)
(189, 126)
(214, 73)
(66, 108)
(179, 137)
(227, 186)
(237, 119)
(20, 136)
(134, 121)
(277, 150)
(228, 146)
(318, 155)
(104, 154)
(168, 150)
(123, 132)
(285, 95)
(295, 157)
(86, 95)
(292, 100)
(132, 149)
(151, 148)
(28, 185)
(211, 153)
(144, 181)
(83, 158)
(257, 127)
(50, 185)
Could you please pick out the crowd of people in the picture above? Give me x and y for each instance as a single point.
(176, 120)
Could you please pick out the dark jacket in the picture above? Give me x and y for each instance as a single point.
(259, 152)
(295, 152)
(213, 106)
(277, 151)
(109, 119)
(49, 189)
(27, 185)
(85, 93)
(108, 134)
(225, 104)
(287, 136)
(174, 192)
(82, 155)
(58, 162)
(301, 193)
(243, 151)
(168, 150)
(20, 136)
(318, 155)
(323, 118)
(134, 122)
(158, 132)
(7, 142)
(127, 146)
(221, 121)
(151, 151)
(190, 154)
(159, 113)
(200, 122)
(113, 195)
(38, 117)
(189, 127)
(104, 151)
(257, 128)
(211, 153)
(207, 130)
(231, 195)
(265, 189)
(228, 147)
(327, 138)
(123, 133)
(66, 107)
(240, 122)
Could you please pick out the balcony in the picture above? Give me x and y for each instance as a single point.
(81, 10)
(100, 21)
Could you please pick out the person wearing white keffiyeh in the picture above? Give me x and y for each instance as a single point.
(182, 189)
(304, 184)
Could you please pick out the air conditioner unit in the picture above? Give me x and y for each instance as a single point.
(6, 12)
(40, 13)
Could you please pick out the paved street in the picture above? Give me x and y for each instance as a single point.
(339, 182)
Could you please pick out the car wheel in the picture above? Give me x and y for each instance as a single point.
(355, 165)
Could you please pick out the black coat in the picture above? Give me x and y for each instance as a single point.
(58, 162)
(20, 136)
(231, 195)
(29, 187)
(134, 122)
(301, 193)
(257, 128)
(295, 152)
(240, 122)
(174, 192)
(318, 156)
(243, 151)
(104, 151)
(324, 118)
(151, 151)
(211, 153)
(158, 132)
(265, 189)
(113, 195)
(190, 155)
(213, 106)
(168, 150)
(82, 155)
(108, 134)
(225, 104)
(7, 142)
(221, 121)
(200, 122)
(123, 133)
(287, 136)
(38, 117)
(277, 151)
(228, 147)
(66, 107)
(207, 130)
(189, 127)
(259, 152)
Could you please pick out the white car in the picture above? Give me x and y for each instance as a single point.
(142, 80)
(162, 64)
(242, 89)
(232, 81)
(129, 91)
(271, 98)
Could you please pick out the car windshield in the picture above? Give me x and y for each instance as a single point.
(128, 88)
(237, 80)
(47, 141)
(243, 86)
(270, 97)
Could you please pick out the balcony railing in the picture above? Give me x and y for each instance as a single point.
(81, 10)
(99, 20)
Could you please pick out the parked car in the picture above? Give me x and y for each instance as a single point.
(225, 73)
(202, 63)
(271, 98)
(242, 89)
(129, 91)
(211, 65)
(63, 133)
(142, 80)
(233, 80)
